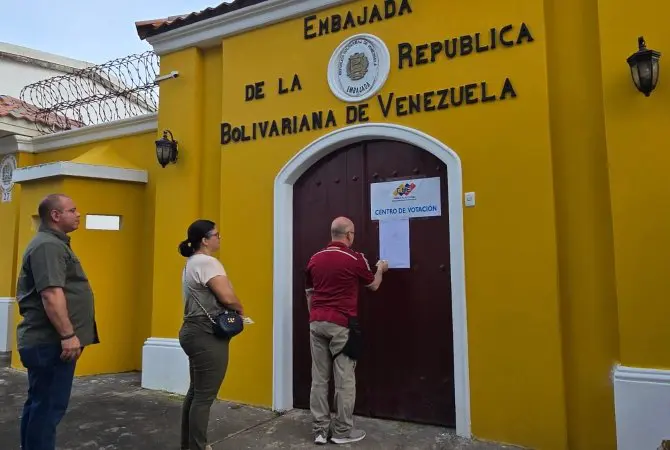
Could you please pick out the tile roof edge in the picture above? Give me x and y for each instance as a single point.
(150, 28)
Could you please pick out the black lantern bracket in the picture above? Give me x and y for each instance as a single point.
(166, 149)
(644, 67)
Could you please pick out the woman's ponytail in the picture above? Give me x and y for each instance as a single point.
(186, 249)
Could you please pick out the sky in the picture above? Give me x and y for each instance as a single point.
(89, 30)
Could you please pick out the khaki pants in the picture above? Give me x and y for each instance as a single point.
(326, 339)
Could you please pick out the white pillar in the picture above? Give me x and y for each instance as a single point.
(164, 366)
(6, 324)
(642, 407)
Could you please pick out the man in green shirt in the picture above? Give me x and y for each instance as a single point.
(56, 303)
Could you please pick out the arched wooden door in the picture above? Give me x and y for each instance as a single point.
(406, 372)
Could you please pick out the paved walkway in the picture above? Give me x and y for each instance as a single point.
(115, 413)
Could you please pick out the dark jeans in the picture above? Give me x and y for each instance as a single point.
(208, 361)
(49, 388)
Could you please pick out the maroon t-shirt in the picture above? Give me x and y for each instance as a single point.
(334, 274)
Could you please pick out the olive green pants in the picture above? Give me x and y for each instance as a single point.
(326, 340)
(208, 361)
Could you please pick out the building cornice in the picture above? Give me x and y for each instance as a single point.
(93, 133)
(126, 127)
(79, 170)
(15, 144)
(210, 32)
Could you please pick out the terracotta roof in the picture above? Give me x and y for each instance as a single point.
(18, 109)
(144, 25)
(148, 28)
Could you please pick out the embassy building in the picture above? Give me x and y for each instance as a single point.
(504, 157)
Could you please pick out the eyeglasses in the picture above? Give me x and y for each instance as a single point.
(218, 235)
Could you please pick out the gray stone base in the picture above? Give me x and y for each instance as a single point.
(5, 359)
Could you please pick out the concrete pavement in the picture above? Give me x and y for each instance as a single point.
(113, 412)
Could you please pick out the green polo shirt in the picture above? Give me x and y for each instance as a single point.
(50, 262)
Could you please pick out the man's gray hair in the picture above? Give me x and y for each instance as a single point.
(51, 202)
(338, 230)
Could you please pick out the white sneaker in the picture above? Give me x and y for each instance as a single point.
(320, 439)
(354, 436)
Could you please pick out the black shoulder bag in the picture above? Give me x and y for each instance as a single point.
(226, 325)
(354, 346)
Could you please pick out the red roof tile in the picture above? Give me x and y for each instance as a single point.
(154, 23)
(148, 28)
(18, 109)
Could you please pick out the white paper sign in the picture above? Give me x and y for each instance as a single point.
(394, 243)
(404, 199)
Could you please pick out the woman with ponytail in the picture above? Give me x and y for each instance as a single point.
(207, 290)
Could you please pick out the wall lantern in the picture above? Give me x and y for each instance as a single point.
(644, 67)
(166, 149)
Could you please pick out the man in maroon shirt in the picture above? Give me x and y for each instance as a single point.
(332, 277)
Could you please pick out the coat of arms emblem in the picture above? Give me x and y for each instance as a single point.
(357, 66)
(7, 166)
(6, 175)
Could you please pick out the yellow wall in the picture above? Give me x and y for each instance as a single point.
(135, 151)
(9, 233)
(8, 213)
(112, 262)
(586, 269)
(637, 143)
(512, 291)
(180, 186)
(9, 216)
(122, 284)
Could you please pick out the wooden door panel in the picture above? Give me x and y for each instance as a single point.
(406, 371)
(315, 194)
(413, 362)
(318, 197)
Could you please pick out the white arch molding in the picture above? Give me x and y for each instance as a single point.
(282, 389)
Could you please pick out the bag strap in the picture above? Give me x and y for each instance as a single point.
(195, 297)
(203, 308)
